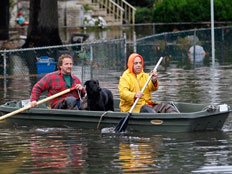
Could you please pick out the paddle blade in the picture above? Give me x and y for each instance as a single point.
(122, 125)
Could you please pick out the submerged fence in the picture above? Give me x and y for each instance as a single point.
(98, 56)
(98, 60)
(20, 69)
(193, 45)
(106, 60)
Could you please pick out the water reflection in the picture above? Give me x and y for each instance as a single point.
(14, 150)
(214, 169)
(54, 152)
(12, 157)
(37, 149)
(171, 152)
(40, 149)
(139, 157)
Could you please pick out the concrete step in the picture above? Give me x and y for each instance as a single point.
(97, 11)
(84, 2)
(101, 13)
(114, 23)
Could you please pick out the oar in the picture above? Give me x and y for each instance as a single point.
(39, 102)
(122, 125)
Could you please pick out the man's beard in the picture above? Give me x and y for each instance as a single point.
(68, 71)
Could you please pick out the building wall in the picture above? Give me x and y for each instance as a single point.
(74, 12)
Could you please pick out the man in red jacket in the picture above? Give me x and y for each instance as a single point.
(58, 81)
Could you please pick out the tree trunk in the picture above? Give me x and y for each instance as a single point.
(43, 25)
(4, 19)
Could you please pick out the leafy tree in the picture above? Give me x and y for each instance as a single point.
(223, 10)
(191, 11)
(143, 15)
(142, 4)
(43, 25)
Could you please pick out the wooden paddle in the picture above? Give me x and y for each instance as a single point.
(39, 102)
(122, 125)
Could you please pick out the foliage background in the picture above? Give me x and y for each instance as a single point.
(154, 11)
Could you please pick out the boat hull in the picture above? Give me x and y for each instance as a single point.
(202, 120)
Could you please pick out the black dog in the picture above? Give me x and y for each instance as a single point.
(69, 103)
(98, 99)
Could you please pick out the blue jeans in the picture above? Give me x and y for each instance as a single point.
(147, 109)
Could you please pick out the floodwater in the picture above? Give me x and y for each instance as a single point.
(35, 148)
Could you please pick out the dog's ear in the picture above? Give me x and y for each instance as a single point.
(97, 82)
(98, 86)
(86, 83)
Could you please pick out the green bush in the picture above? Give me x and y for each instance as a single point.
(143, 15)
(142, 4)
(87, 7)
(191, 11)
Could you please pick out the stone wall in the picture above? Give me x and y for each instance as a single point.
(73, 12)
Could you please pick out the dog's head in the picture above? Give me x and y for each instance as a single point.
(69, 103)
(92, 87)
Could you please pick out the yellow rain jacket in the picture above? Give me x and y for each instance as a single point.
(129, 85)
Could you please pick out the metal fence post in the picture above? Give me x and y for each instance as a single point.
(4, 63)
(82, 71)
(153, 28)
(125, 48)
(222, 48)
(4, 72)
(194, 46)
(134, 42)
(91, 62)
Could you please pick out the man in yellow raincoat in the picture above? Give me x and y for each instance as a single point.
(131, 84)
